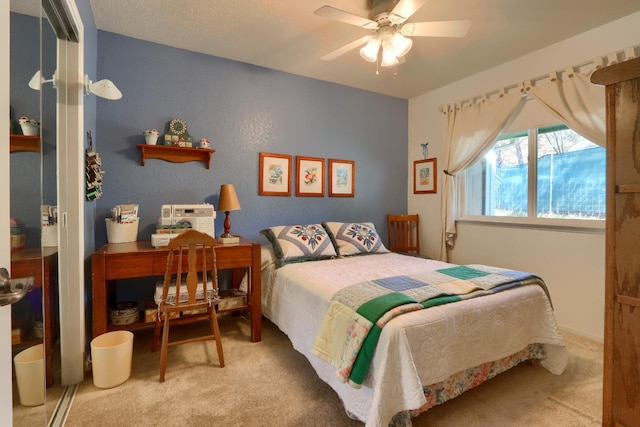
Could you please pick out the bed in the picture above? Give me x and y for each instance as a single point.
(424, 357)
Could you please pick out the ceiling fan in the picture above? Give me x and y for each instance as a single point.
(389, 30)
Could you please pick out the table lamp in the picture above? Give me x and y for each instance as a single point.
(228, 201)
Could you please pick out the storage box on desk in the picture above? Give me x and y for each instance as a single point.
(121, 233)
(50, 235)
(232, 298)
(151, 312)
(229, 300)
(17, 336)
(193, 312)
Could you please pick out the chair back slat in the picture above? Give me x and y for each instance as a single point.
(178, 274)
(192, 274)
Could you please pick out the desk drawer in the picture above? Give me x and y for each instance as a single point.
(28, 269)
(131, 265)
(234, 256)
(227, 257)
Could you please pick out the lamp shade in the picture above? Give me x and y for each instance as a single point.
(401, 44)
(370, 51)
(389, 58)
(228, 200)
(104, 89)
(36, 81)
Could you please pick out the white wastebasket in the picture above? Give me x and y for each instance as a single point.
(111, 355)
(29, 366)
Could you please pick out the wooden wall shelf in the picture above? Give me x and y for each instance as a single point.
(24, 143)
(175, 154)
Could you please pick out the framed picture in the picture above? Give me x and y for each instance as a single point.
(425, 178)
(342, 178)
(275, 175)
(310, 172)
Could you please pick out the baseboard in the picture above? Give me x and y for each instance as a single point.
(583, 334)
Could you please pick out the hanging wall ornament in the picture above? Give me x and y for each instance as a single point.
(93, 172)
(425, 149)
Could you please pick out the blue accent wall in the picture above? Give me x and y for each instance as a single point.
(90, 38)
(243, 110)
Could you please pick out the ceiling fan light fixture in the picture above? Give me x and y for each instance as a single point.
(401, 44)
(370, 51)
(389, 58)
(390, 31)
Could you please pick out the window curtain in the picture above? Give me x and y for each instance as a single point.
(576, 101)
(471, 128)
(469, 132)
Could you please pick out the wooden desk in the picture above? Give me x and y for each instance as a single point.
(139, 259)
(42, 265)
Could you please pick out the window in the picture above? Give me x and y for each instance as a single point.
(565, 180)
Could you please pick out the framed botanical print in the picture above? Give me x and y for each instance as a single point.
(310, 173)
(342, 178)
(425, 178)
(275, 174)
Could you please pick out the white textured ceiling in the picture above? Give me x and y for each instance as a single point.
(285, 34)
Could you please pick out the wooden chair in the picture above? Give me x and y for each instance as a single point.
(404, 233)
(181, 293)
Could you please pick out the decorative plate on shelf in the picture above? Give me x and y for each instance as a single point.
(178, 126)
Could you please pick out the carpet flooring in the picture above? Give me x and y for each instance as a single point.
(270, 384)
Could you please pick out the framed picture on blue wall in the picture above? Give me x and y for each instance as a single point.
(310, 173)
(275, 174)
(342, 178)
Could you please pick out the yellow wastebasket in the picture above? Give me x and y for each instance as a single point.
(111, 355)
(29, 366)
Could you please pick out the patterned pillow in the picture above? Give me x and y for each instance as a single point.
(299, 243)
(354, 238)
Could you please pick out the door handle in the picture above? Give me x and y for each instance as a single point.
(13, 290)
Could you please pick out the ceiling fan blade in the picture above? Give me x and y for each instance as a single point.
(346, 17)
(436, 29)
(404, 9)
(346, 48)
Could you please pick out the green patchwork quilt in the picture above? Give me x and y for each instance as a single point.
(362, 310)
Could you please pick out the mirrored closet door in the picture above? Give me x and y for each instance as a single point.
(34, 319)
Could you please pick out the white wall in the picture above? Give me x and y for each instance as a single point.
(572, 264)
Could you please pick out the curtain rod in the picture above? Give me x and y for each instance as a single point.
(611, 59)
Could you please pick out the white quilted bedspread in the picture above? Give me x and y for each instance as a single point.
(419, 348)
